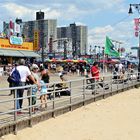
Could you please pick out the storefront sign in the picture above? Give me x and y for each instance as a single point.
(4, 43)
(16, 40)
(36, 40)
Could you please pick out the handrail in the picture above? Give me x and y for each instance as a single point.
(79, 90)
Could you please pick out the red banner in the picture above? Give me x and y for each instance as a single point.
(137, 26)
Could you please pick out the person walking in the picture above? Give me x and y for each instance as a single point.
(95, 76)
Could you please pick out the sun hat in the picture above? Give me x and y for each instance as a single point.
(34, 66)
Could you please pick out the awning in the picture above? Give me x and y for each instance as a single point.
(29, 54)
(7, 52)
(17, 53)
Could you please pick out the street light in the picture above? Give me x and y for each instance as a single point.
(95, 57)
(65, 49)
(137, 7)
(99, 53)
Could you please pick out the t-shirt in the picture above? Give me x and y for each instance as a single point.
(120, 66)
(36, 76)
(95, 75)
(24, 72)
(43, 87)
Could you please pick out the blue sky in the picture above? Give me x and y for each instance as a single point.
(103, 17)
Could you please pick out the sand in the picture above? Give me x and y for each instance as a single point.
(114, 118)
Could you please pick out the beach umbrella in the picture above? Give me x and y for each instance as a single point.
(53, 60)
(75, 61)
(114, 61)
(82, 61)
(69, 60)
(103, 61)
(110, 61)
(47, 60)
(59, 60)
(64, 61)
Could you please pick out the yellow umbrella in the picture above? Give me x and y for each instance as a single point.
(75, 61)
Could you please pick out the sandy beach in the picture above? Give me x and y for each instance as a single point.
(114, 118)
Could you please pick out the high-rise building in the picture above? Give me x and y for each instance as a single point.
(82, 39)
(39, 15)
(78, 37)
(40, 31)
(6, 28)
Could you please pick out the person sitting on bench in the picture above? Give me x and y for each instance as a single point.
(63, 85)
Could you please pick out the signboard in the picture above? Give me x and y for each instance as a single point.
(137, 28)
(16, 40)
(5, 44)
(36, 40)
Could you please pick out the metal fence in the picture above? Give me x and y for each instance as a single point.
(79, 90)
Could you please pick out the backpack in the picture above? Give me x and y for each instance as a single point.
(14, 77)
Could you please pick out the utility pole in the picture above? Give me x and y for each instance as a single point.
(65, 49)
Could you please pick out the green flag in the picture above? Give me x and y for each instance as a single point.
(110, 49)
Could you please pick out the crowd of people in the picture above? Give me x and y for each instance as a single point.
(38, 74)
(122, 73)
(22, 75)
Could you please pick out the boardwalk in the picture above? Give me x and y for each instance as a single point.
(76, 90)
(114, 118)
(79, 96)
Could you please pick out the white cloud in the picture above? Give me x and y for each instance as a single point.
(80, 23)
(106, 3)
(71, 11)
(51, 13)
(97, 34)
(122, 32)
(103, 30)
(17, 10)
(28, 13)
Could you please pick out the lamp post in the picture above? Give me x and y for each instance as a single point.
(90, 49)
(137, 7)
(95, 53)
(43, 47)
(99, 53)
(65, 49)
(103, 58)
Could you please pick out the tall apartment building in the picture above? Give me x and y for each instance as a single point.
(40, 31)
(78, 37)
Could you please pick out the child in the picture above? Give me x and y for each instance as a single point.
(43, 94)
(43, 90)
